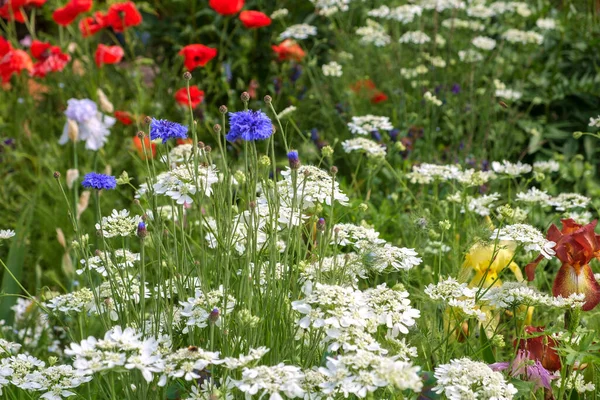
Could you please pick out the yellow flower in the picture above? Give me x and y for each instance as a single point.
(488, 261)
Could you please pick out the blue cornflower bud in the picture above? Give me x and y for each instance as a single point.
(293, 159)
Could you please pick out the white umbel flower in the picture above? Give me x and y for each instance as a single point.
(466, 379)
(366, 124)
(298, 31)
(528, 236)
(367, 146)
(119, 223)
(6, 234)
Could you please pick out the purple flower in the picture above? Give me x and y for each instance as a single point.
(97, 181)
(528, 369)
(81, 110)
(293, 159)
(375, 135)
(165, 130)
(141, 230)
(455, 88)
(249, 126)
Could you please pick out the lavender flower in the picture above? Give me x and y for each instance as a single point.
(165, 130)
(92, 126)
(249, 125)
(81, 110)
(97, 181)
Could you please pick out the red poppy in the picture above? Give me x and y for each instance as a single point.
(288, 50)
(196, 96)
(14, 62)
(363, 84)
(50, 58)
(89, 26)
(148, 146)
(66, 15)
(108, 54)
(226, 7)
(541, 347)
(12, 8)
(254, 19)
(576, 245)
(197, 55)
(124, 117)
(5, 46)
(123, 15)
(378, 97)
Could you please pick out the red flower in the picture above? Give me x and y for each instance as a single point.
(89, 26)
(363, 84)
(185, 141)
(254, 19)
(541, 347)
(5, 46)
(123, 15)
(197, 55)
(11, 9)
(14, 62)
(226, 7)
(148, 146)
(66, 15)
(108, 54)
(50, 58)
(576, 245)
(196, 96)
(288, 50)
(124, 117)
(378, 97)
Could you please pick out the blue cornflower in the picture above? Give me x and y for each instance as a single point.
(293, 159)
(97, 181)
(165, 130)
(249, 125)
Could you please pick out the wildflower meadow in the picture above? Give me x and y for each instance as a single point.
(299, 199)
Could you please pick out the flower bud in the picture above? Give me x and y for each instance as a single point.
(577, 134)
(213, 317)
(321, 225)
(327, 151)
(187, 75)
(245, 97)
(72, 175)
(268, 99)
(207, 149)
(147, 119)
(105, 104)
(333, 170)
(142, 232)
(72, 130)
(217, 128)
(223, 110)
(264, 161)
(293, 159)
(56, 174)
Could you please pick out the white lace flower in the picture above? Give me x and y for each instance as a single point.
(332, 69)
(466, 379)
(366, 124)
(298, 31)
(373, 33)
(6, 234)
(271, 380)
(369, 147)
(512, 169)
(528, 236)
(183, 182)
(415, 37)
(119, 223)
(484, 43)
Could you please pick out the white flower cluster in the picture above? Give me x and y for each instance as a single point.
(271, 380)
(482, 205)
(524, 37)
(403, 14)
(313, 186)
(534, 195)
(546, 166)
(333, 69)
(512, 169)
(467, 379)
(546, 24)
(77, 301)
(298, 31)
(470, 56)
(104, 261)
(31, 374)
(366, 124)
(207, 307)
(484, 43)
(415, 37)
(343, 269)
(350, 318)
(528, 236)
(373, 33)
(568, 201)
(6, 234)
(456, 23)
(367, 146)
(119, 223)
(595, 122)
(431, 99)
(183, 182)
(363, 372)
(328, 8)
(441, 5)
(513, 294)
(458, 296)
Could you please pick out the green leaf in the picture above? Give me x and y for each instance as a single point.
(486, 345)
